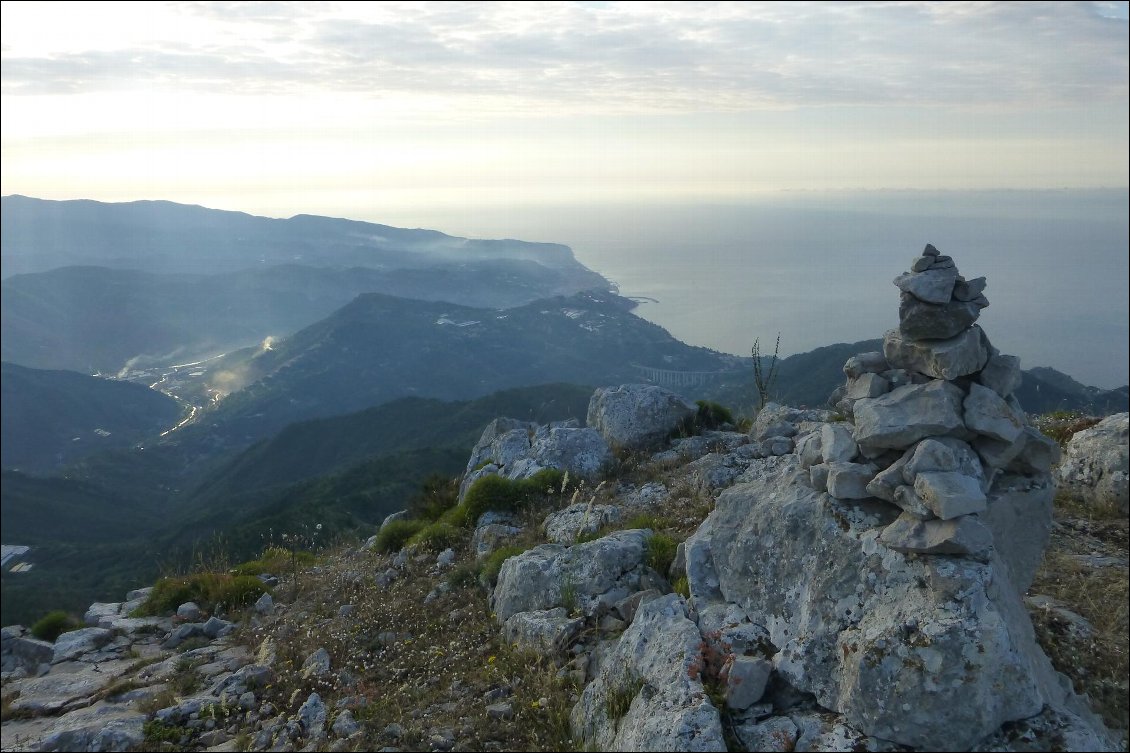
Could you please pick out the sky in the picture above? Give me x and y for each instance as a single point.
(373, 110)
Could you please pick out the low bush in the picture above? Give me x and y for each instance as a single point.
(54, 624)
(208, 590)
(504, 495)
(437, 495)
(396, 534)
(712, 416)
(436, 536)
(492, 565)
(660, 552)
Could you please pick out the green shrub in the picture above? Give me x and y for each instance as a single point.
(503, 495)
(682, 586)
(660, 552)
(208, 590)
(712, 416)
(493, 563)
(437, 495)
(644, 520)
(396, 534)
(436, 536)
(275, 559)
(156, 731)
(238, 592)
(54, 624)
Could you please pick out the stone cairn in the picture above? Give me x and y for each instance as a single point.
(937, 430)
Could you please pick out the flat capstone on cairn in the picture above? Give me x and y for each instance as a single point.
(938, 431)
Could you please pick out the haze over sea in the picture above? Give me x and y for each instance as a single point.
(817, 267)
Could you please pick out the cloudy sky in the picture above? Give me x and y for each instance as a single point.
(278, 108)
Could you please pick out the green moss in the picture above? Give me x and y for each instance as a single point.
(53, 624)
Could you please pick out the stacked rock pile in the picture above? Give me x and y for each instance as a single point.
(935, 427)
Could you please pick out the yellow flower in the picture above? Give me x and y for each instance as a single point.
(491, 660)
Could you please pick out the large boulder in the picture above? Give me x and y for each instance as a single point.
(75, 643)
(519, 449)
(859, 624)
(1094, 467)
(648, 692)
(637, 416)
(592, 576)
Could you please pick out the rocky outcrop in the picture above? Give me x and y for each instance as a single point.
(887, 559)
(637, 416)
(591, 577)
(1095, 467)
(648, 693)
(518, 449)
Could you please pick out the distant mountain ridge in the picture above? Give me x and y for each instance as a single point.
(163, 236)
(51, 418)
(379, 348)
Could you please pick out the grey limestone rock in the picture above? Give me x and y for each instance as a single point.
(637, 416)
(919, 320)
(965, 535)
(564, 526)
(1001, 374)
(905, 415)
(392, 518)
(988, 414)
(911, 504)
(490, 536)
(548, 631)
(99, 610)
(77, 642)
(849, 480)
(317, 664)
(859, 623)
(746, 681)
(777, 734)
(969, 290)
(1095, 466)
(190, 611)
(872, 362)
(935, 285)
(654, 665)
(539, 578)
(265, 604)
(1019, 513)
(345, 725)
(951, 358)
(102, 726)
(837, 445)
(867, 385)
(312, 716)
(949, 494)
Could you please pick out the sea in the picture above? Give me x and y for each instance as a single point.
(816, 268)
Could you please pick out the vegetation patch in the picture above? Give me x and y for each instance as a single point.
(659, 552)
(1062, 425)
(1095, 659)
(207, 589)
(53, 624)
(492, 565)
(498, 494)
(396, 534)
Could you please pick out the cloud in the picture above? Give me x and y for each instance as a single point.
(611, 57)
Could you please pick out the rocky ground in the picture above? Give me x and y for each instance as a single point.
(367, 651)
